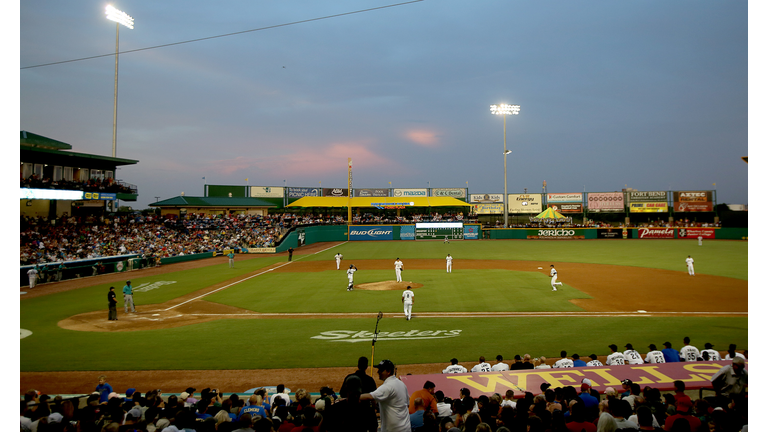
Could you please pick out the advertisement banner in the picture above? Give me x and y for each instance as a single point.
(567, 207)
(694, 233)
(408, 232)
(661, 376)
(99, 196)
(614, 233)
(471, 232)
(262, 250)
(371, 192)
(294, 192)
(555, 234)
(409, 192)
(564, 197)
(648, 207)
(524, 203)
(655, 233)
(370, 233)
(693, 206)
(335, 192)
(605, 201)
(449, 192)
(486, 198)
(692, 196)
(488, 208)
(267, 192)
(647, 196)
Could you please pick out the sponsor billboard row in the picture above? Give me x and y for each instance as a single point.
(564, 197)
(605, 201)
(449, 192)
(524, 203)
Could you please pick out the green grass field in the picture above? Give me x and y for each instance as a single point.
(280, 343)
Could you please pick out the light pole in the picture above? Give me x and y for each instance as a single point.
(504, 110)
(123, 18)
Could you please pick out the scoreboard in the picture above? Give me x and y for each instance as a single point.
(439, 230)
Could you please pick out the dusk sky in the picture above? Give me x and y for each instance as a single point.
(648, 94)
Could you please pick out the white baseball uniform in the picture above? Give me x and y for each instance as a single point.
(455, 368)
(351, 277)
(689, 263)
(554, 281)
(655, 357)
(407, 303)
(595, 363)
(338, 260)
(728, 356)
(633, 357)
(615, 359)
(448, 263)
(500, 367)
(481, 367)
(689, 353)
(563, 363)
(32, 273)
(398, 270)
(713, 355)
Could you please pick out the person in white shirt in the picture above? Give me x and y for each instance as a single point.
(615, 358)
(392, 397)
(689, 264)
(407, 302)
(564, 362)
(631, 355)
(482, 366)
(689, 352)
(654, 355)
(455, 367)
(338, 257)
(448, 263)
(713, 355)
(553, 273)
(398, 270)
(32, 274)
(500, 366)
(594, 361)
(732, 354)
(351, 277)
(543, 364)
(509, 400)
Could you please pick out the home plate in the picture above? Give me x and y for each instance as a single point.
(642, 311)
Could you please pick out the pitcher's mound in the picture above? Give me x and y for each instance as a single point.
(387, 285)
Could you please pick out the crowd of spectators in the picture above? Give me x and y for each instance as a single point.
(107, 185)
(561, 409)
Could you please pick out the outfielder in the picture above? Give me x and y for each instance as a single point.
(689, 264)
(407, 302)
(398, 270)
(448, 263)
(553, 273)
(351, 276)
(338, 257)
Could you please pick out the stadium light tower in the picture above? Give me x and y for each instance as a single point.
(123, 18)
(504, 110)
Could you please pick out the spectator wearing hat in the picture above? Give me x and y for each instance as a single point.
(713, 355)
(594, 361)
(392, 397)
(577, 361)
(500, 366)
(654, 355)
(427, 396)
(625, 386)
(730, 380)
(615, 358)
(589, 400)
(671, 355)
(190, 400)
(631, 355)
(683, 407)
(564, 362)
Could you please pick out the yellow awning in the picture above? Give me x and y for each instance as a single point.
(378, 202)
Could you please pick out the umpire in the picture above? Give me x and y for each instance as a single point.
(112, 298)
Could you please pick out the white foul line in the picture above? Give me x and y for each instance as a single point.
(245, 279)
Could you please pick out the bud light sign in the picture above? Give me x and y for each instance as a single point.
(370, 233)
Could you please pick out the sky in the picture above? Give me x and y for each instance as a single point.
(651, 95)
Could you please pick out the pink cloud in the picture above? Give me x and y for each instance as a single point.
(422, 137)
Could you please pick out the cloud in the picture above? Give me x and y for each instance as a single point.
(422, 137)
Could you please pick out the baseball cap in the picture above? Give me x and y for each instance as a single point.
(593, 356)
(190, 390)
(613, 347)
(545, 386)
(386, 365)
(135, 413)
(585, 387)
(708, 345)
(113, 395)
(667, 344)
(610, 391)
(55, 418)
(684, 404)
(130, 392)
(652, 346)
(586, 381)
(626, 381)
(629, 345)
(183, 395)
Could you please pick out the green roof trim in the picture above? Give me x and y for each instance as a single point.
(187, 201)
(28, 139)
(58, 153)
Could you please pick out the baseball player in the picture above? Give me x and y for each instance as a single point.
(448, 263)
(654, 355)
(231, 256)
(482, 366)
(689, 352)
(500, 366)
(407, 302)
(338, 257)
(713, 355)
(351, 276)
(615, 358)
(128, 297)
(32, 274)
(398, 270)
(455, 367)
(689, 264)
(594, 361)
(564, 362)
(553, 273)
(631, 355)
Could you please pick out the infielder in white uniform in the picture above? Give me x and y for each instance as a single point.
(32, 274)
(338, 257)
(448, 263)
(553, 273)
(407, 302)
(398, 269)
(351, 276)
(689, 264)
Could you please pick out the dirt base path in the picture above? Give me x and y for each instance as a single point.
(654, 292)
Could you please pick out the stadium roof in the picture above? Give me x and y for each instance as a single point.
(186, 201)
(378, 202)
(39, 149)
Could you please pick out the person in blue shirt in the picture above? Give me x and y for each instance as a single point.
(128, 297)
(670, 354)
(231, 256)
(577, 362)
(255, 407)
(104, 389)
